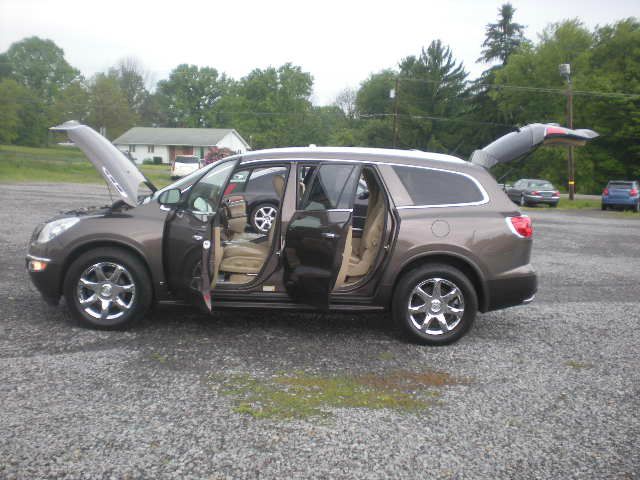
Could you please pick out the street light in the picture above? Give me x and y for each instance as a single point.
(565, 71)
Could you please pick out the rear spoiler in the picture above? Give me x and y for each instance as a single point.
(516, 144)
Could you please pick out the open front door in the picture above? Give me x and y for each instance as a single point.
(516, 144)
(191, 234)
(317, 233)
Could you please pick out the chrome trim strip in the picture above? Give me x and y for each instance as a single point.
(38, 259)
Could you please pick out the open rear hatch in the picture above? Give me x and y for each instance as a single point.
(110, 162)
(526, 139)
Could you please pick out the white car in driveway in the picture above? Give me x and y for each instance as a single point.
(183, 165)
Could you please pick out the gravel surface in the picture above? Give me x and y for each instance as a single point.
(551, 389)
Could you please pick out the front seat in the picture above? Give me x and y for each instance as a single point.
(249, 257)
(363, 258)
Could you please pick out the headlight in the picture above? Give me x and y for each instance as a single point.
(52, 229)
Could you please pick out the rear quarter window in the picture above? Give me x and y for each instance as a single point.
(436, 187)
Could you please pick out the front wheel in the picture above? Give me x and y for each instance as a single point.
(107, 288)
(435, 304)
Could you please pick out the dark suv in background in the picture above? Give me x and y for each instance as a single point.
(440, 240)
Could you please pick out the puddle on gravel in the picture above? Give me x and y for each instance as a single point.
(302, 395)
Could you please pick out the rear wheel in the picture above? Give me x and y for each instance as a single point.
(435, 304)
(107, 288)
(263, 216)
(603, 207)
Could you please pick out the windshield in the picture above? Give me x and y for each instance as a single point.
(186, 159)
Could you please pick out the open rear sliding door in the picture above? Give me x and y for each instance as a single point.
(316, 237)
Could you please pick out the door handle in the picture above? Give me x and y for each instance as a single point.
(197, 237)
(329, 235)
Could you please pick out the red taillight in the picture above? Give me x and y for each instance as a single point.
(521, 226)
(633, 192)
(535, 193)
(605, 192)
(556, 194)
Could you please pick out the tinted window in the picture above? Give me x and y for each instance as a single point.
(327, 189)
(626, 185)
(205, 194)
(541, 184)
(186, 159)
(434, 187)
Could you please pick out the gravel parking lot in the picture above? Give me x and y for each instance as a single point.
(549, 390)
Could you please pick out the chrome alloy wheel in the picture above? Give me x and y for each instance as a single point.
(106, 291)
(264, 217)
(436, 306)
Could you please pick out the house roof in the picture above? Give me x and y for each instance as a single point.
(197, 137)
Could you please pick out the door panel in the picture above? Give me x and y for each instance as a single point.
(316, 236)
(313, 251)
(189, 226)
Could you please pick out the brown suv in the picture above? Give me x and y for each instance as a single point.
(439, 242)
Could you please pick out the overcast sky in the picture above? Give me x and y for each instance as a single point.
(339, 42)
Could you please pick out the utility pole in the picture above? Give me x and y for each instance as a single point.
(394, 94)
(565, 71)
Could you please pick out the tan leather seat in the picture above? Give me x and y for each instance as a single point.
(363, 256)
(248, 257)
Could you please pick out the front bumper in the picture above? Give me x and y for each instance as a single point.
(517, 288)
(48, 281)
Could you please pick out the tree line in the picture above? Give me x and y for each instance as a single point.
(436, 107)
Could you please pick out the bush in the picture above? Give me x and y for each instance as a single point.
(148, 161)
(157, 160)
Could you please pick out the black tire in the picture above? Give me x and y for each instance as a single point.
(255, 223)
(138, 299)
(403, 293)
(603, 207)
(553, 205)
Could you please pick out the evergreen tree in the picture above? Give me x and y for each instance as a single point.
(502, 38)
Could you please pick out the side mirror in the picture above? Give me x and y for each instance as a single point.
(170, 197)
(363, 195)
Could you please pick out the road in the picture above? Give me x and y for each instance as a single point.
(549, 390)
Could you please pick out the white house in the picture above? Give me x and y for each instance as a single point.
(147, 143)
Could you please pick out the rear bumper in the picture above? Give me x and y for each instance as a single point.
(539, 199)
(517, 288)
(621, 201)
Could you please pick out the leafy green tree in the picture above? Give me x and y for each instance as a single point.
(272, 107)
(11, 93)
(108, 106)
(189, 94)
(40, 65)
(131, 78)
(431, 98)
(72, 103)
(502, 38)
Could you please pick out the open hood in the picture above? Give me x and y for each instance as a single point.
(112, 164)
(516, 144)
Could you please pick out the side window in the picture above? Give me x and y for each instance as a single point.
(205, 194)
(328, 189)
(435, 187)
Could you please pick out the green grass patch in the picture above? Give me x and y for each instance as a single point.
(578, 204)
(301, 395)
(60, 164)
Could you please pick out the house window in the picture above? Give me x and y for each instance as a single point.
(132, 148)
(150, 148)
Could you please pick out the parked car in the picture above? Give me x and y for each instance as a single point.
(526, 192)
(440, 240)
(621, 194)
(184, 165)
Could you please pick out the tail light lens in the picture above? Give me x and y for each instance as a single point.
(633, 192)
(520, 226)
(535, 192)
(556, 194)
(605, 191)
